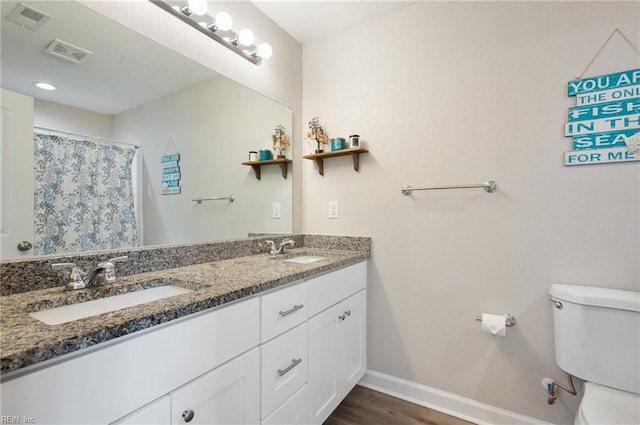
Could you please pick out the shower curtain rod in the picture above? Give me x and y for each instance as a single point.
(101, 139)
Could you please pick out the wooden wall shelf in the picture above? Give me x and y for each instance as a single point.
(318, 158)
(283, 163)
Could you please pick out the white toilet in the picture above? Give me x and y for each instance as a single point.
(597, 339)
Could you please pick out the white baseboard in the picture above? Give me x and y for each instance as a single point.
(442, 401)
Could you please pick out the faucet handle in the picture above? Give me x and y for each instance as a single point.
(108, 274)
(271, 244)
(76, 276)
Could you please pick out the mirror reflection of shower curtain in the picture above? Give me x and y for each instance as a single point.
(84, 196)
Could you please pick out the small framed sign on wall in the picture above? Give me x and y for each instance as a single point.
(605, 123)
(170, 171)
(607, 113)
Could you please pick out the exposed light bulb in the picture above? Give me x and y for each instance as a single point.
(198, 7)
(246, 37)
(264, 51)
(44, 86)
(223, 21)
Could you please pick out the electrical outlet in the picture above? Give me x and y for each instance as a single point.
(334, 209)
(275, 210)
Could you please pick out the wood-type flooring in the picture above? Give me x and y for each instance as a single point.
(367, 407)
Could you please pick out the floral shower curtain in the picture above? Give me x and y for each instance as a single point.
(83, 196)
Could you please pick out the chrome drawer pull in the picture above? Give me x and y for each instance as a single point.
(294, 363)
(295, 308)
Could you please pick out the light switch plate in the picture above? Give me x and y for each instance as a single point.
(275, 210)
(334, 209)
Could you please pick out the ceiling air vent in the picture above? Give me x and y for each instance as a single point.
(27, 16)
(68, 51)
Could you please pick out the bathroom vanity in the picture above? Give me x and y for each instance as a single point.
(284, 344)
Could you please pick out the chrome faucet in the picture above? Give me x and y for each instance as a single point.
(102, 274)
(285, 243)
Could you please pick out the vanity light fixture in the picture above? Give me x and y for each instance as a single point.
(218, 29)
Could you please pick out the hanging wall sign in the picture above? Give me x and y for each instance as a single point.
(607, 112)
(170, 174)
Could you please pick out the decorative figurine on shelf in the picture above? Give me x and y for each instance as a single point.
(317, 134)
(280, 141)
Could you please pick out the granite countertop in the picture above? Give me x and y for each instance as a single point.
(25, 341)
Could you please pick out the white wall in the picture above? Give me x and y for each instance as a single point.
(67, 118)
(213, 125)
(448, 93)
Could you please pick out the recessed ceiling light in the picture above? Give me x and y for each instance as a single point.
(45, 86)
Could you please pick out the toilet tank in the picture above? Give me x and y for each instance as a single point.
(597, 334)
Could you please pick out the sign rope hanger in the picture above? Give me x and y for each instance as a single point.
(624, 37)
(170, 143)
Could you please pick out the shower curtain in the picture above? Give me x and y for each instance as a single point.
(83, 196)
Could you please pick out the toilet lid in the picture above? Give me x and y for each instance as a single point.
(606, 406)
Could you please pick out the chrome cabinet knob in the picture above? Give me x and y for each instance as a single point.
(188, 415)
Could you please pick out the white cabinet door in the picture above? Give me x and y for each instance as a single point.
(352, 343)
(323, 340)
(156, 413)
(229, 394)
(337, 355)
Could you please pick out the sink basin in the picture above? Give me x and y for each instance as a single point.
(300, 257)
(80, 310)
(304, 259)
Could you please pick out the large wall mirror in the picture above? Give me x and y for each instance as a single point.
(136, 92)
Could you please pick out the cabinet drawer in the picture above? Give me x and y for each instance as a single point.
(284, 367)
(331, 288)
(283, 310)
(292, 412)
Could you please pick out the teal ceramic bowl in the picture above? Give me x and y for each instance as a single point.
(264, 155)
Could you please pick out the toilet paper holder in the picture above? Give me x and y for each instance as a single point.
(509, 319)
